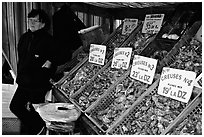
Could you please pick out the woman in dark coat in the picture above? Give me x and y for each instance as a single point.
(34, 70)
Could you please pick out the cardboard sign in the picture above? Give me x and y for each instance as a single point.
(198, 35)
(198, 81)
(121, 58)
(143, 69)
(177, 84)
(97, 54)
(152, 23)
(129, 25)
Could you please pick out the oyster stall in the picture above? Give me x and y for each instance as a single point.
(118, 101)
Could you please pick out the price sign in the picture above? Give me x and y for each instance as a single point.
(97, 54)
(198, 35)
(121, 58)
(143, 69)
(176, 84)
(129, 25)
(198, 81)
(152, 23)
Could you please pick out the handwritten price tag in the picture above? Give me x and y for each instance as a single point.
(97, 54)
(143, 69)
(176, 84)
(152, 23)
(121, 58)
(129, 25)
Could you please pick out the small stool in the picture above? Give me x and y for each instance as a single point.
(59, 117)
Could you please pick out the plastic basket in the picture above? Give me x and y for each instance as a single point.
(147, 116)
(133, 89)
(190, 121)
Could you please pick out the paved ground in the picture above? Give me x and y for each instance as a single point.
(7, 94)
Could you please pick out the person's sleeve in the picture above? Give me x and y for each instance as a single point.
(20, 47)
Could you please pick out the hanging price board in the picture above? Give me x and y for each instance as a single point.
(97, 54)
(121, 58)
(198, 81)
(176, 84)
(143, 69)
(129, 25)
(152, 23)
(198, 35)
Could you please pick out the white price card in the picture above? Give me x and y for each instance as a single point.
(152, 23)
(121, 58)
(198, 81)
(97, 54)
(143, 69)
(129, 25)
(176, 84)
(198, 35)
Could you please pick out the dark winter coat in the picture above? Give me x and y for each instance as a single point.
(65, 32)
(34, 49)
